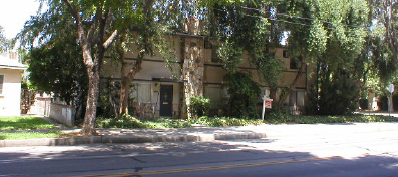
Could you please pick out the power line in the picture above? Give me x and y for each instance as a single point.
(288, 22)
(301, 18)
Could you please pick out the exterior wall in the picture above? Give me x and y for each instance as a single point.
(41, 106)
(63, 113)
(155, 72)
(10, 100)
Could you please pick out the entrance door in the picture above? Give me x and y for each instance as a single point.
(166, 100)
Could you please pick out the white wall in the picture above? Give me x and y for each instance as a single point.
(10, 100)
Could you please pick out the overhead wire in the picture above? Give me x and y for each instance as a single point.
(301, 18)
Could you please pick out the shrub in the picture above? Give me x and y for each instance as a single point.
(127, 121)
(199, 105)
(339, 94)
(244, 94)
(225, 121)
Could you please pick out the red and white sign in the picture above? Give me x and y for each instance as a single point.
(268, 104)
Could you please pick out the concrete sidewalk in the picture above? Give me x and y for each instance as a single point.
(206, 134)
(142, 136)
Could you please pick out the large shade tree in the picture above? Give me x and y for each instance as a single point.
(57, 67)
(97, 24)
(147, 34)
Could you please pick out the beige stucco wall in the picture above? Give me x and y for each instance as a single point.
(10, 100)
(154, 68)
(214, 72)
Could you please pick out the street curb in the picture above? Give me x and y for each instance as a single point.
(128, 139)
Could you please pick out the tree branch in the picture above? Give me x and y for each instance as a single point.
(111, 38)
(148, 5)
(90, 33)
(76, 16)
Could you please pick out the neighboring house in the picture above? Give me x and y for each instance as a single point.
(10, 84)
(157, 93)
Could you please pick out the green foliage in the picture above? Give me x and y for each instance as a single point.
(23, 123)
(339, 94)
(29, 135)
(57, 67)
(270, 69)
(244, 93)
(199, 105)
(131, 122)
(4, 42)
(225, 121)
(109, 98)
(280, 118)
(127, 121)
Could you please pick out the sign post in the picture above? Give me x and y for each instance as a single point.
(390, 89)
(267, 103)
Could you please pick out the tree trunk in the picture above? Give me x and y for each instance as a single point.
(92, 101)
(193, 66)
(124, 95)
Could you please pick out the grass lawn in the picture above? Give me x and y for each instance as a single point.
(131, 122)
(23, 123)
(29, 135)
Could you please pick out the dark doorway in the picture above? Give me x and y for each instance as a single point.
(166, 100)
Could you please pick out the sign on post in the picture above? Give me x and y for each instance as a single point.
(267, 103)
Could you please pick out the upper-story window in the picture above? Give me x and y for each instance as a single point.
(285, 54)
(214, 56)
(295, 63)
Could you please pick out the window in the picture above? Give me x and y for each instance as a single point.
(207, 44)
(1, 84)
(297, 99)
(285, 54)
(215, 94)
(143, 93)
(214, 57)
(295, 63)
(300, 98)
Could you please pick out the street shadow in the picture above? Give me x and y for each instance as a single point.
(116, 158)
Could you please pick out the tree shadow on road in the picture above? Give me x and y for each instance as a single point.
(127, 158)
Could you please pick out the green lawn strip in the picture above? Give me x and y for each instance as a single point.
(131, 122)
(30, 135)
(23, 123)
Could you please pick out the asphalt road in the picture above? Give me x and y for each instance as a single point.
(356, 154)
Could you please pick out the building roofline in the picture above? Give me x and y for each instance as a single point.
(13, 67)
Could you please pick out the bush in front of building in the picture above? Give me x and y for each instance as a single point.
(243, 95)
(199, 105)
(338, 94)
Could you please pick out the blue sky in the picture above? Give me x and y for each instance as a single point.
(14, 14)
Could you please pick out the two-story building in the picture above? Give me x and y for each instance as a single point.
(11, 70)
(158, 93)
